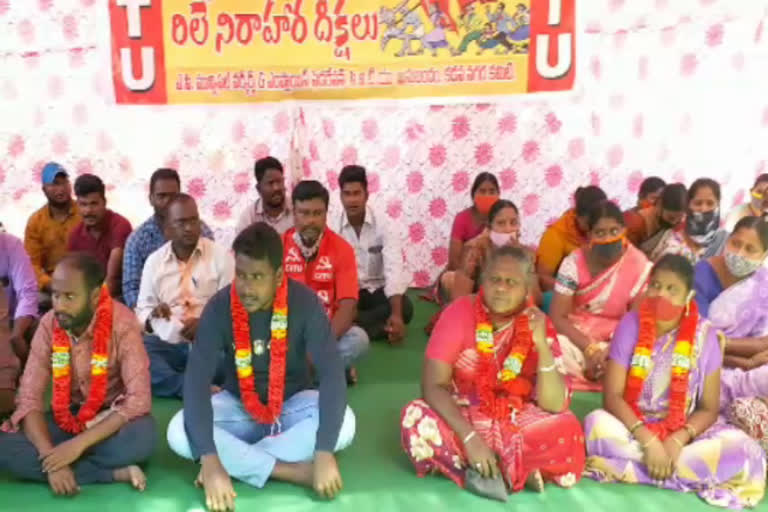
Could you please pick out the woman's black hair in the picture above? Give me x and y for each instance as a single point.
(604, 210)
(759, 225)
(500, 205)
(704, 183)
(650, 185)
(677, 264)
(586, 197)
(485, 177)
(674, 198)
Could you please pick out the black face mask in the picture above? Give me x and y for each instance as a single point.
(702, 225)
(608, 252)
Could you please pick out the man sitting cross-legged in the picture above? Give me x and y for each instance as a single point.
(177, 281)
(100, 425)
(267, 422)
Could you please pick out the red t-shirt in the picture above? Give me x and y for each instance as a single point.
(116, 231)
(332, 274)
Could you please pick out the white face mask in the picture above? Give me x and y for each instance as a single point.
(740, 266)
(502, 239)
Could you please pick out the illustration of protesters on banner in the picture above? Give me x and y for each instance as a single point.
(473, 24)
(492, 38)
(521, 34)
(437, 38)
(403, 24)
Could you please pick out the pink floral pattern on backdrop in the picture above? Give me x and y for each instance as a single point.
(674, 89)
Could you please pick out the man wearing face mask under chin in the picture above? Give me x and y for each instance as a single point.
(503, 230)
(702, 237)
(596, 285)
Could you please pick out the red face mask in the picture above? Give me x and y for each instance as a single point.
(663, 309)
(483, 204)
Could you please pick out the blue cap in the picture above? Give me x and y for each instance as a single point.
(51, 171)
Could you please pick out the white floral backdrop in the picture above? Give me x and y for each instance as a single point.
(675, 88)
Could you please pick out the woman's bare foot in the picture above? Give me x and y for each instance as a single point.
(132, 475)
(535, 482)
(300, 473)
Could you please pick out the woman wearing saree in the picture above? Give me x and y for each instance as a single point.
(660, 425)
(732, 290)
(702, 237)
(596, 286)
(494, 392)
(647, 226)
(503, 230)
(566, 235)
(757, 205)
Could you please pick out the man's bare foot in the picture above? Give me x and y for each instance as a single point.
(301, 473)
(535, 482)
(132, 475)
(351, 376)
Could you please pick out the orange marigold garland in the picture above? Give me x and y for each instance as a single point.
(681, 367)
(62, 373)
(266, 414)
(501, 392)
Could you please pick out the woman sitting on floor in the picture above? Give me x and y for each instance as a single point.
(648, 227)
(660, 424)
(471, 222)
(733, 291)
(595, 287)
(757, 204)
(566, 235)
(494, 392)
(702, 237)
(504, 230)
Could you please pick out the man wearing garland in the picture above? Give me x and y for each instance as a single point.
(267, 422)
(100, 426)
(325, 262)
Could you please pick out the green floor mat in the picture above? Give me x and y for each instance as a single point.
(377, 474)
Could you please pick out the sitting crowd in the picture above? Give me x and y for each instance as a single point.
(659, 308)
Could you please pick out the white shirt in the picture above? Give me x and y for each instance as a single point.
(378, 253)
(255, 213)
(184, 286)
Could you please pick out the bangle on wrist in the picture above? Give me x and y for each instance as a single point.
(691, 431)
(549, 368)
(469, 437)
(648, 443)
(635, 427)
(679, 442)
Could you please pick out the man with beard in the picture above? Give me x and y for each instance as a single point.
(48, 229)
(646, 227)
(177, 281)
(102, 232)
(383, 307)
(267, 423)
(18, 310)
(271, 206)
(324, 261)
(99, 426)
(164, 185)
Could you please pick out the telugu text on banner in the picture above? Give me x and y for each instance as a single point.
(230, 51)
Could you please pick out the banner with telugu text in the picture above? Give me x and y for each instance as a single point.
(233, 51)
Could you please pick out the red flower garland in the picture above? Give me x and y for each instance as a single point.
(265, 414)
(498, 397)
(678, 389)
(62, 375)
